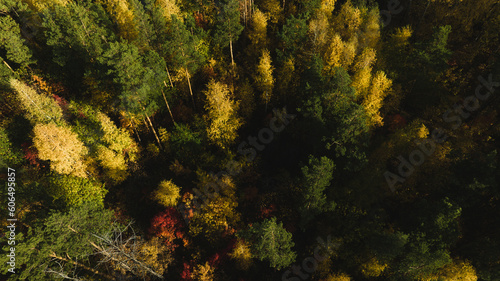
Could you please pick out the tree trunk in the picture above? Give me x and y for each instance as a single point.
(154, 132)
(166, 102)
(231, 49)
(135, 130)
(169, 79)
(53, 255)
(190, 90)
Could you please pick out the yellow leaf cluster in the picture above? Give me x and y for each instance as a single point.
(273, 10)
(167, 193)
(203, 272)
(222, 117)
(214, 219)
(61, 147)
(401, 37)
(456, 271)
(373, 101)
(334, 53)
(123, 15)
(242, 254)
(39, 107)
(39, 6)
(119, 140)
(327, 6)
(169, 8)
(373, 268)
(338, 277)
(347, 21)
(257, 33)
(156, 255)
(264, 76)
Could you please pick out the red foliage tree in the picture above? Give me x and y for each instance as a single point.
(168, 225)
(186, 273)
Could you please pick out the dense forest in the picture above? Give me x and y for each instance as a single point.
(238, 140)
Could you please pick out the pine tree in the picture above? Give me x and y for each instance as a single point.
(271, 242)
(13, 44)
(9, 156)
(136, 81)
(182, 48)
(228, 27)
(75, 191)
(77, 34)
(316, 178)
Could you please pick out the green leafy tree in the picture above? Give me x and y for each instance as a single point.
(9, 157)
(74, 191)
(134, 80)
(13, 44)
(228, 27)
(62, 243)
(293, 35)
(182, 48)
(317, 176)
(271, 242)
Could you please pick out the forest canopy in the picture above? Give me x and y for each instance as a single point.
(202, 140)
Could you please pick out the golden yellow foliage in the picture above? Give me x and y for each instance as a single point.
(347, 21)
(362, 71)
(327, 7)
(264, 79)
(115, 168)
(361, 81)
(401, 37)
(39, 6)
(169, 8)
(370, 29)
(61, 147)
(456, 271)
(334, 54)
(222, 117)
(39, 107)
(167, 193)
(373, 268)
(123, 15)
(318, 30)
(349, 52)
(338, 277)
(257, 33)
(273, 10)
(364, 60)
(242, 254)
(373, 102)
(203, 272)
(214, 219)
(156, 255)
(119, 139)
